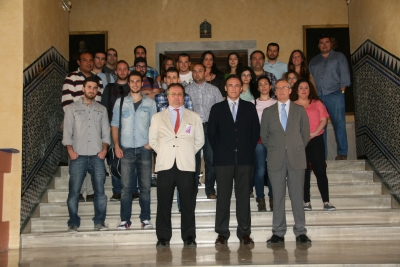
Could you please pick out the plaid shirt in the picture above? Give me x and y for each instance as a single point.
(151, 72)
(162, 102)
(204, 96)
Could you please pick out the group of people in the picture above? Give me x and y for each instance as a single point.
(266, 120)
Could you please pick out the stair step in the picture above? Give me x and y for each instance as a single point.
(334, 176)
(113, 238)
(208, 205)
(367, 188)
(204, 220)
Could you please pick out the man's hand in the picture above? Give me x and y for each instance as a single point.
(102, 154)
(72, 154)
(119, 153)
(147, 146)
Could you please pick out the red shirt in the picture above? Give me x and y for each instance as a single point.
(316, 111)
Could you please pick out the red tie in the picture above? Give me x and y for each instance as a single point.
(178, 120)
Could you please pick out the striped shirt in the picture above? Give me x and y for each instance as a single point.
(72, 88)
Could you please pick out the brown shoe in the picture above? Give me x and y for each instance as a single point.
(221, 240)
(81, 198)
(341, 157)
(211, 196)
(271, 204)
(246, 240)
(261, 204)
(90, 198)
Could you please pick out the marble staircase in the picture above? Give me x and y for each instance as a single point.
(365, 211)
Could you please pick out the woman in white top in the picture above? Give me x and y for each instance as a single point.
(260, 154)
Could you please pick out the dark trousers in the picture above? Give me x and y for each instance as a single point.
(315, 153)
(187, 186)
(225, 176)
(208, 162)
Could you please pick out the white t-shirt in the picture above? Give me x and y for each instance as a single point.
(186, 79)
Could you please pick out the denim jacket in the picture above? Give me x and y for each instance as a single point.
(135, 124)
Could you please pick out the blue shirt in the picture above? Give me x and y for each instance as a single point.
(331, 73)
(278, 69)
(135, 124)
(173, 114)
(162, 102)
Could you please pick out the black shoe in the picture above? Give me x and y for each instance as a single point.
(221, 240)
(115, 197)
(81, 198)
(303, 239)
(190, 242)
(162, 243)
(90, 198)
(135, 195)
(275, 239)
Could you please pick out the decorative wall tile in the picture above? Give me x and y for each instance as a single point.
(376, 83)
(42, 117)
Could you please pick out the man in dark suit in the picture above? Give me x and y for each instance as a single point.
(285, 132)
(233, 131)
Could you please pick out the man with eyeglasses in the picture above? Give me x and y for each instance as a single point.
(273, 65)
(99, 63)
(257, 59)
(111, 61)
(285, 132)
(140, 51)
(176, 135)
(150, 87)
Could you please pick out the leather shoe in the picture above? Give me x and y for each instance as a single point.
(341, 157)
(190, 242)
(303, 239)
(221, 240)
(275, 239)
(211, 196)
(162, 243)
(90, 198)
(81, 198)
(246, 240)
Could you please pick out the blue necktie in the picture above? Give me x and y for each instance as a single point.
(283, 117)
(234, 111)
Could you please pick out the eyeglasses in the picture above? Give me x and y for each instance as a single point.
(176, 94)
(141, 66)
(100, 58)
(111, 55)
(281, 88)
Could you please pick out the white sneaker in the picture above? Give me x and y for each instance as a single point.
(124, 225)
(146, 225)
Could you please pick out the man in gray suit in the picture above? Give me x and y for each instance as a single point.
(285, 132)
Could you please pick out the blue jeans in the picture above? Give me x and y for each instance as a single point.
(117, 186)
(260, 155)
(140, 159)
(77, 172)
(335, 105)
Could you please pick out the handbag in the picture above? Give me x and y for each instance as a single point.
(112, 159)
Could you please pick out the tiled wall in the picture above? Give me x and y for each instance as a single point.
(377, 110)
(42, 117)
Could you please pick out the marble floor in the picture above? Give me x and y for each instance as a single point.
(332, 253)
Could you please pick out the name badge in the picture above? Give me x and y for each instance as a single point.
(188, 128)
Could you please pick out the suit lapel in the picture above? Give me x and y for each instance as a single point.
(291, 115)
(167, 120)
(276, 110)
(184, 121)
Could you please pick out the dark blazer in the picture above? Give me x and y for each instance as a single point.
(293, 140)
(226, 136)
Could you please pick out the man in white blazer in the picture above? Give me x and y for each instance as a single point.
(176, 135)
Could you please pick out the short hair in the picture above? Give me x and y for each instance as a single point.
(295, 94)
(140, 46)
(257, 51)
(325, 35)
(176, 84)
(95, 79)
(183, 55)
(121, 61)
(233, 76)
(273, 44)
(282, 80)
(138, 60)
(111, 49)
(171, 69)
(135, 73)
(201, 64)
(100, 52)
(85, 52)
